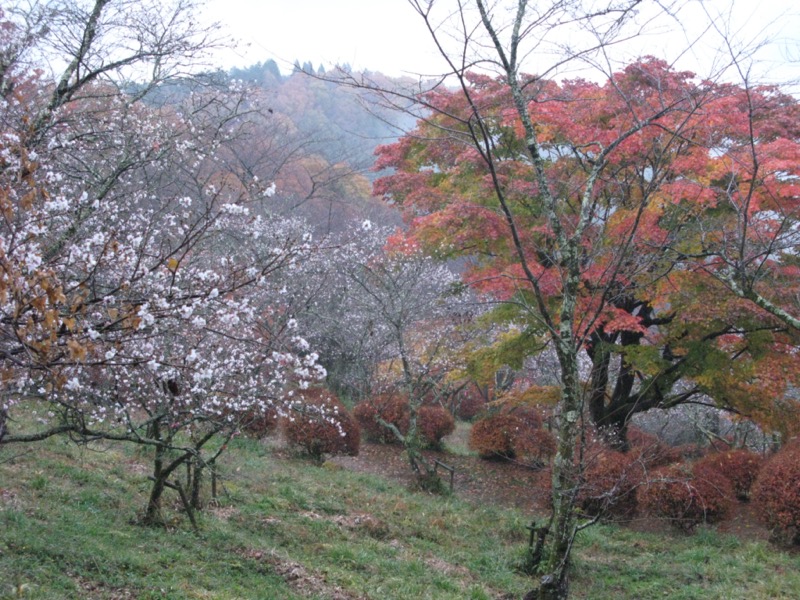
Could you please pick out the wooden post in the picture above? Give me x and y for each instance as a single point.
(447, 468)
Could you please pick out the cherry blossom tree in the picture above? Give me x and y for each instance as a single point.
(385, 318)
(415, 304)
(138, 297)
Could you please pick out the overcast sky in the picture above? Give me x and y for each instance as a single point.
(388, 36)
(380, 35)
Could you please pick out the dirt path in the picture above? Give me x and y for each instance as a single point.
(515, 485)
(476, 480)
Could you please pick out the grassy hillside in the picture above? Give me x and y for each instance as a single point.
(284, 529)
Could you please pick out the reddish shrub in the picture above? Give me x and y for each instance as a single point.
(434, 423)
(688, 452)
(650, 450)
(324, 427)
(715, 491)
(686, 496)
(536, 446)
(493, 436)
(391, 408)
(638, 438)
(721, 444)
(792, 443)
(513, 433)
(530, 418)
(776, 493)
(469, 403)
(741, 467)
(260, 424)
(610, 482)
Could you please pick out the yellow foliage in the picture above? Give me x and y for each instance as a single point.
(533, 396)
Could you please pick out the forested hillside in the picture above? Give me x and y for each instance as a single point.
(336, 130)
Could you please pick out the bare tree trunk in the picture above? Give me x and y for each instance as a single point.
(152, 515)
(3, 418)
(427, 477)
(196, 482)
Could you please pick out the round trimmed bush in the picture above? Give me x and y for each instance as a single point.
(510, 434)
(715, 491)
(470, 403)
(650, 449)
(433, 424)
(776, 493)
(536, 446)
(493, 436)
(390, 407)
(324, 427)
(259, 424)
(741, 467)
(255, 422)
(531, 418)
(610, 482)
(689, 452)
(686, 495)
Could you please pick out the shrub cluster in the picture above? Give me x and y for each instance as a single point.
(433, 421)
(391, 408)
(494, 436)
(513, 433)
(686, 495)
(610, 481)
(535, 446)
(469, 403)
(741, 467)
(650, 450)
(261, 424)
(324, 427)
(776, 494)
(433, 424)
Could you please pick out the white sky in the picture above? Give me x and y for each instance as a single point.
(388, 35)
(379, 35)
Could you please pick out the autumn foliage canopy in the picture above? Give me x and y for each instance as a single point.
(685, 161)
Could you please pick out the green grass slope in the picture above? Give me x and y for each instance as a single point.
(284, 529)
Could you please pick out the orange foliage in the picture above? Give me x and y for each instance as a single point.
(776, 494)
(327, 430)
(740, 467)
(514, 432)
(661, 200)
(391, 407)
(686, 496)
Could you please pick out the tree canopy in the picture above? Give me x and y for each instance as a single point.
(678, 156)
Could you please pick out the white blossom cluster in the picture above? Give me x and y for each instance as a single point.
(139, 264)
(367, 305)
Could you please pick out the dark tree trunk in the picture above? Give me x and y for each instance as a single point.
(427, 477)
(162, 470)
(3, 419)
(611, 412)
(152, 515)
(196, 483)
